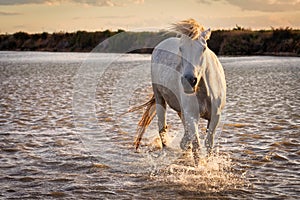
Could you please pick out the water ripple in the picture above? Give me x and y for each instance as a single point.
(44, 154)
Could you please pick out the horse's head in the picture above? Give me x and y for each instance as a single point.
(191, 52)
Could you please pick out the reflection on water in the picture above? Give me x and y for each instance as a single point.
(63, 135)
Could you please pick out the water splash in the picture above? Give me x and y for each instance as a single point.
(216, 173)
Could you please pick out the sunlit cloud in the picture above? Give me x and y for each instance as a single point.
(100, 3)
(9, 13)
(267, 6)
(138, 1)
(116, 17)
(72, 15)
(22, 2)
(259, 5)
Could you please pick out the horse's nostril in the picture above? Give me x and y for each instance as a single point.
(191, 80)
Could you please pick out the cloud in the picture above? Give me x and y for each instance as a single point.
(138, 1)
(267, 6)
(207, 1)
(116, 16)
(106, 17)
(20, 27)
(260, 5)
(21, 2)
(100, 3)
(9, 13)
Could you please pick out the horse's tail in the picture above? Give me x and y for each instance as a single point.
(146, 119)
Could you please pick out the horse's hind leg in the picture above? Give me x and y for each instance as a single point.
(161, 116)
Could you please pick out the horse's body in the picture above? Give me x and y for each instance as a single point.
(188, 77)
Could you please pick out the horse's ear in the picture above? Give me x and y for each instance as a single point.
(206, 34)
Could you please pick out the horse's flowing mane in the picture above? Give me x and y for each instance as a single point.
(189, 28)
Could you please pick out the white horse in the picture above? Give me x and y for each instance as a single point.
(188, 77)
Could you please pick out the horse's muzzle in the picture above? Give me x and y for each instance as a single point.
(188, 83)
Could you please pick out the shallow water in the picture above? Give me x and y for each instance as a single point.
(63, 134)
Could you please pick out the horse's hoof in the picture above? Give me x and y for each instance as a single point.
(185, 145)
(164, 139)
(209, 152)
(156, 144)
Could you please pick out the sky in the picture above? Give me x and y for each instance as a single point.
(35, 16)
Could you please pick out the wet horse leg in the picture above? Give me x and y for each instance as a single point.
(161, 116)
(191, 138)
(211, 129)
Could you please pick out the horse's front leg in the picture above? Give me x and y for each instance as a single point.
(191, 137)
(212, 125)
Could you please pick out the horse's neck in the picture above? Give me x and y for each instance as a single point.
(213, 74)
(209, 59)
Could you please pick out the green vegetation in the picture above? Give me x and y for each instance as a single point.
(239, 41)
(265, 42)
(78, 41)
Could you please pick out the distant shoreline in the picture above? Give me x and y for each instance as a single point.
(283, 54)
(236, 42)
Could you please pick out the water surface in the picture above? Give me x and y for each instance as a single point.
(63, 133)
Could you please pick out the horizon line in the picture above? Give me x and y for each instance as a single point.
(236, 28)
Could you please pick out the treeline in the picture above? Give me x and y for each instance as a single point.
(80, 41)
(282, 41)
